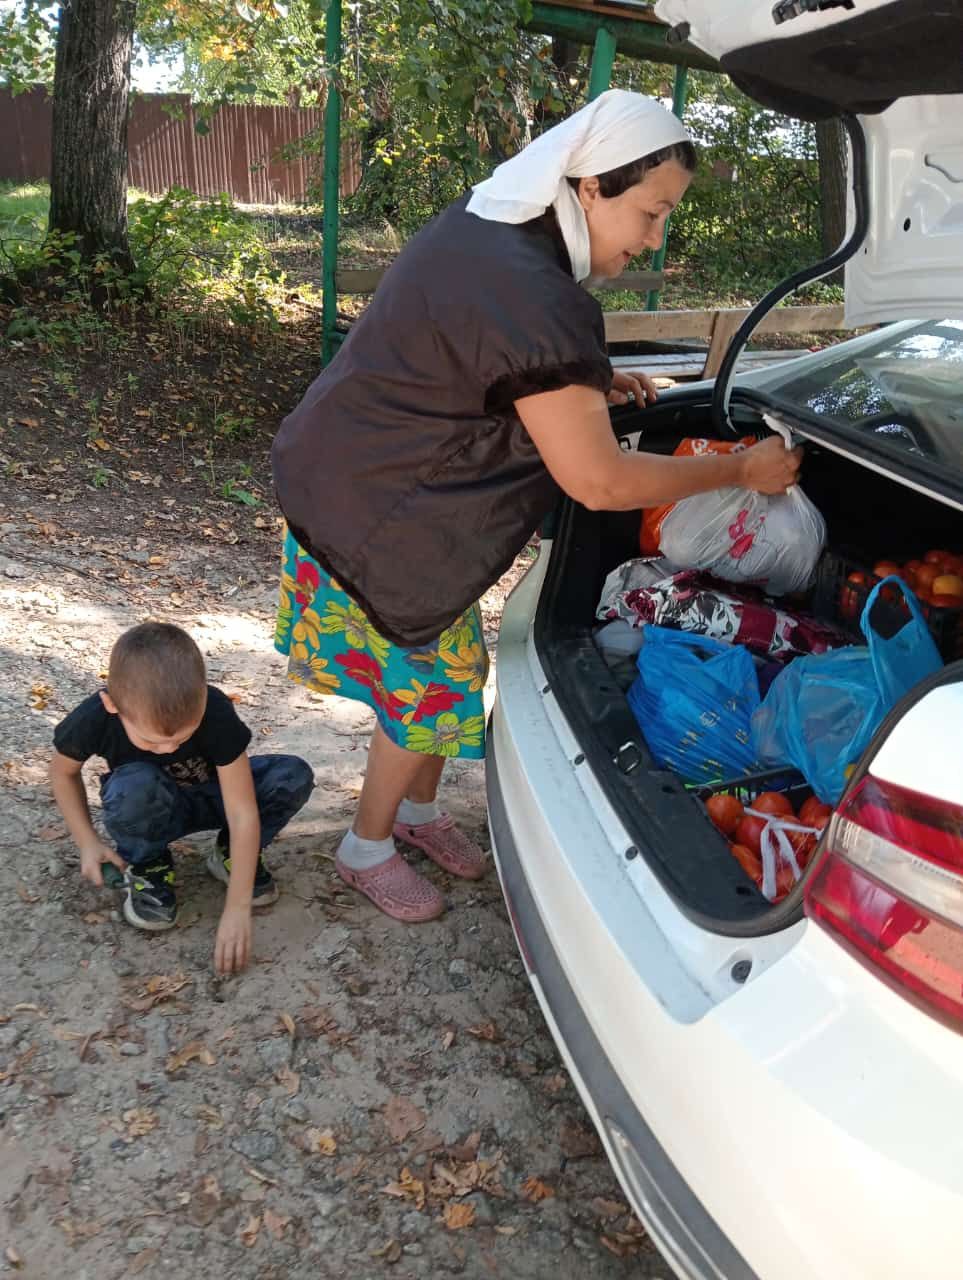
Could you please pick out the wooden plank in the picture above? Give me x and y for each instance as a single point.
(647, 326)
(802, 319)
(726, 324)
(636, 281)
(358, 279)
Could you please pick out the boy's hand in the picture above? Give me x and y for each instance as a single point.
(92, 855)
(232, 947)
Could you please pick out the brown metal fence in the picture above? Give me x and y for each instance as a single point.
(249, 151)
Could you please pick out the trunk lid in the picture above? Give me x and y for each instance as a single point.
(895, 63)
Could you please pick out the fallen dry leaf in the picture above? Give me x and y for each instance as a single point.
(533, 1189)
(289, 1079)
(12, 1256)
(577, 1142)
(484, 1031)
(39, 696)
(141, 1261)
(156, 989)
(276, 1223)
(54, 832)
(194, 1051)
(76, 1229)
(287, 1022)
(19, 1063)
(249, 1232)
(139, 1121)
(210, 1116)
(458, 1216)
(390, 1252)
(28, 422)
(30, 1008)
(449, 1040)
(556, 1083)
(204, 1202)
(607, 1209)
(260, 1177)
(402, 1118)
(407, 1187)
(177, 600)
(320, 1142)
(95, 917)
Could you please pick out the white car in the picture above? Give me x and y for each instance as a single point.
(779, 1087)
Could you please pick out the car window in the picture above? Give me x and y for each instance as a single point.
(901, 386)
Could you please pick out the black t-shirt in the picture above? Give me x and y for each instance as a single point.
(222, 736)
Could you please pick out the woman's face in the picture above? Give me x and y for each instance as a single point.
(621, 227)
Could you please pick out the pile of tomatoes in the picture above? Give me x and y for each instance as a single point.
(936, 580)
(744, 831)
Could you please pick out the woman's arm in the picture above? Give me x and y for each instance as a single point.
(572, 432)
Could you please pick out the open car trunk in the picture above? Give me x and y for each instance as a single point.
(869, 517)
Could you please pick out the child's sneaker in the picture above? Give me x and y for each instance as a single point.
(151, 902)
(265, 888)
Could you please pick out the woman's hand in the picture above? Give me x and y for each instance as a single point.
(637, 384)
(769, 467)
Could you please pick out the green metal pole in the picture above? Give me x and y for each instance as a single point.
(603, 59)
(332, 182)
(658, 258)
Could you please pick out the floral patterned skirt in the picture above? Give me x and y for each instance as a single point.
(427, 699)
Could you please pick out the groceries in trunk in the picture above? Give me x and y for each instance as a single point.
(736, 534)
(759, 665)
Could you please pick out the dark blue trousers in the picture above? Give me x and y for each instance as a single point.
(144, 809)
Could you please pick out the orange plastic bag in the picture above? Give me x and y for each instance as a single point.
(652, 517)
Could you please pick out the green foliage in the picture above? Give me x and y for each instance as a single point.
(201, 255)
(27, 33)
(195, 259)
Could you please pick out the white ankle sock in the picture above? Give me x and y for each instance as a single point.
(415, 814)
(362, 855)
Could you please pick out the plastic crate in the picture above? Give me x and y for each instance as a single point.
(789, 781)
(838, 600)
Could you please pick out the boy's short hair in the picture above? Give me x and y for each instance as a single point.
(157, 674)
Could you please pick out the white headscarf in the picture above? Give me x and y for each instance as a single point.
(611, 131)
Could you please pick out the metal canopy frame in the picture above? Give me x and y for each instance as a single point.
(630, 28)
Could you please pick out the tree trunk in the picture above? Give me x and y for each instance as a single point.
(88, 180)
(831, 150)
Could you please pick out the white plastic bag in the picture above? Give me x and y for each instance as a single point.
(735, 534)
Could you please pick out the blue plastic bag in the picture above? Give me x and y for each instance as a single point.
(693, 699)
(821, 712)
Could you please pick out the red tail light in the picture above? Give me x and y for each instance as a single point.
(890, 885)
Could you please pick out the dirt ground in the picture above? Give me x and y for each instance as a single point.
(368, 1099)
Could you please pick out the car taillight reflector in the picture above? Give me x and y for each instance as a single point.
(890, 885)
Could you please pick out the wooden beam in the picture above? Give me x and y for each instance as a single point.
(634, 281)
(358, 279)
(647, 326)
(726, 324)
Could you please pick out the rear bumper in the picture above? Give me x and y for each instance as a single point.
(686, 1235)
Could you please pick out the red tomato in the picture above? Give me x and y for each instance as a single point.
(749, 862)
(887, 569)
(852, 595)
(784, 882)
(803, 845)
(773, 802)
(749, 832)
(814, 813)
(947, 584)
(939, 560)
(910, 569)
(945, 601)
(726, 812)
(925, 576)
